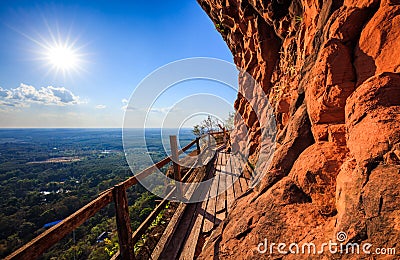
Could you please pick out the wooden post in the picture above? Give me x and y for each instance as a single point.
(198, 145)
(199, 159)
(175, 161)
(224, 135)
(123, 223)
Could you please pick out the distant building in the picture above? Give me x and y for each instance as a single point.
(51, 224)
(102, 236)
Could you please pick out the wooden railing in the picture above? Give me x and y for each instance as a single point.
(37, 246)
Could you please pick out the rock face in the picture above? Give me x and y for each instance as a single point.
(331, 72)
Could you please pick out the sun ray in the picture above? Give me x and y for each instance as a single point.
(58, 50)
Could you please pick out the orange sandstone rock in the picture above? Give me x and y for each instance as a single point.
(331, 71)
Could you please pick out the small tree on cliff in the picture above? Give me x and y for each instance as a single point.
(208, 125)
(213, 124)
(230, 121)
(198, 130)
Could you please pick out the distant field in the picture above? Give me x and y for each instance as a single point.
(59, 160)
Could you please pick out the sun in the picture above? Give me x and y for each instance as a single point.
(63, 57)
(57, 50)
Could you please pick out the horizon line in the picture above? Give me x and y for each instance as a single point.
(9, 128)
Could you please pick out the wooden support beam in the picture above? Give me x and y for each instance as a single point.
(123, 223)
(175, 162)
(147, 222)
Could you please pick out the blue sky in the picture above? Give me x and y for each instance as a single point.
(115, 45)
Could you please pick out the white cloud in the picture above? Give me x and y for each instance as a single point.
(25, 95)
(161, 110)
(126, 106)
(4, 92)
(100, 106)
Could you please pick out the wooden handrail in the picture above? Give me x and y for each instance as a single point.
(184, 149)
(212, 133)
(37, 246)
(147, 222)
(42, 242)
(146, 172)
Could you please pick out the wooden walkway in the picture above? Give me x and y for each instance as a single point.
(192, 223)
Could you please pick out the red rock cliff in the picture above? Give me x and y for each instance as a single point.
(331, 70)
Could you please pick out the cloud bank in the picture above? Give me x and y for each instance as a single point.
(25, 95)
(101, 106)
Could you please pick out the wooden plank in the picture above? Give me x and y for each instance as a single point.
(221, 198)
(41, 243)
(186, 225)
(209, 215)
(168, 232)
(237, 190)
(147, 222)
(238, 170)
(230, 194)
(190, 242)
(230, 197)
(188, 177)
(220, 158)
(223, 158)
(183, 220)
(227, 184)
(189, 247)
(222, 188)
(191, 188)
(123, 223)
(238, 183)
(171, 251)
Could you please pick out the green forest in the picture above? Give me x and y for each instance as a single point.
(45, 177)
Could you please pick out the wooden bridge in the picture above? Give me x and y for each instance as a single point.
(191, 224)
